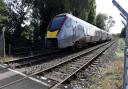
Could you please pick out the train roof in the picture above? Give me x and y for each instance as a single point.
(73, 17)
(66, 14)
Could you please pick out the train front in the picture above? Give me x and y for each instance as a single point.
(53, 30)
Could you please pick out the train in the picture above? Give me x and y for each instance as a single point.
(66, 30)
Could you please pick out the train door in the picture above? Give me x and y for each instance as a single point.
(75, 31)
(74, 27)
(78, 32)
(87, 34)
(69, 30)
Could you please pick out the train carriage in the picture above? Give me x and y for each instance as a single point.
(67, 30)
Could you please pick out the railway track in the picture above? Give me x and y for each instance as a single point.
(66, 70)
(41, 58)
(63, 72)
(31, 60)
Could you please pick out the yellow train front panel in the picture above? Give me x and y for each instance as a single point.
(52, 34)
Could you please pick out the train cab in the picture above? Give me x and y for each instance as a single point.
(53, 30)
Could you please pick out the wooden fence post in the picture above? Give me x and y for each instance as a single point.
(2, 43)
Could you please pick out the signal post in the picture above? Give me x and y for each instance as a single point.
(124, 14)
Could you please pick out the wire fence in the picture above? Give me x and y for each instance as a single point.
(22, 50)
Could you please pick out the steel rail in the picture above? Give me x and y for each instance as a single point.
(85, 66)
(70, 59)
(27, 76)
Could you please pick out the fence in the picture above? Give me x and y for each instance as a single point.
(2, 44)
(27, 51)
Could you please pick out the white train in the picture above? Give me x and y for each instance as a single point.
(66, 30)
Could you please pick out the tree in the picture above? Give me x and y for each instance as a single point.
(84, 9)
(104, 22)
(110, 23)
(122, 34)
(45, 10)
(4, 19)
(42, 11)
(92, 13)
(3, 15)
(18, 14)
(100, 21)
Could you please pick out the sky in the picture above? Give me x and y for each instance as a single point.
(107, 7)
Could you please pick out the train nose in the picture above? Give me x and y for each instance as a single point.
(51, 39)
(51, 43)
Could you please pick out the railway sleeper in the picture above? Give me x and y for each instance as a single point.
(79, 61)
(77, 64)
(74, 67)
(57, 76)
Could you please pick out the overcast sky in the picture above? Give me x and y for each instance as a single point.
(106, 6)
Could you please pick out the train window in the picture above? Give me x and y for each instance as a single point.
(96, 33)
(86, 31)
(68, 23)
(56, 23)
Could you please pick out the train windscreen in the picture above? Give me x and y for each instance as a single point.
(57, 23)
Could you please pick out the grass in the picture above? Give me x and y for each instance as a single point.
(120, 51)
(112, 74)
(6, 58)
(113, 78)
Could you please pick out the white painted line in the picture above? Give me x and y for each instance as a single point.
(2, 66)
(34, 79)
(40, 81)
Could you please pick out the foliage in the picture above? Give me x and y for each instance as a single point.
(110, 23)
(28, 19)
(3, 15)
(122, 34)
(4, 21)
(104, 22)
(45, 10)
(100, 20)
(3, 10)
(92, 13)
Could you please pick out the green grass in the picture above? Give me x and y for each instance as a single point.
(6, 58)
(115, 70)
(120, 51)
(112, 74)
